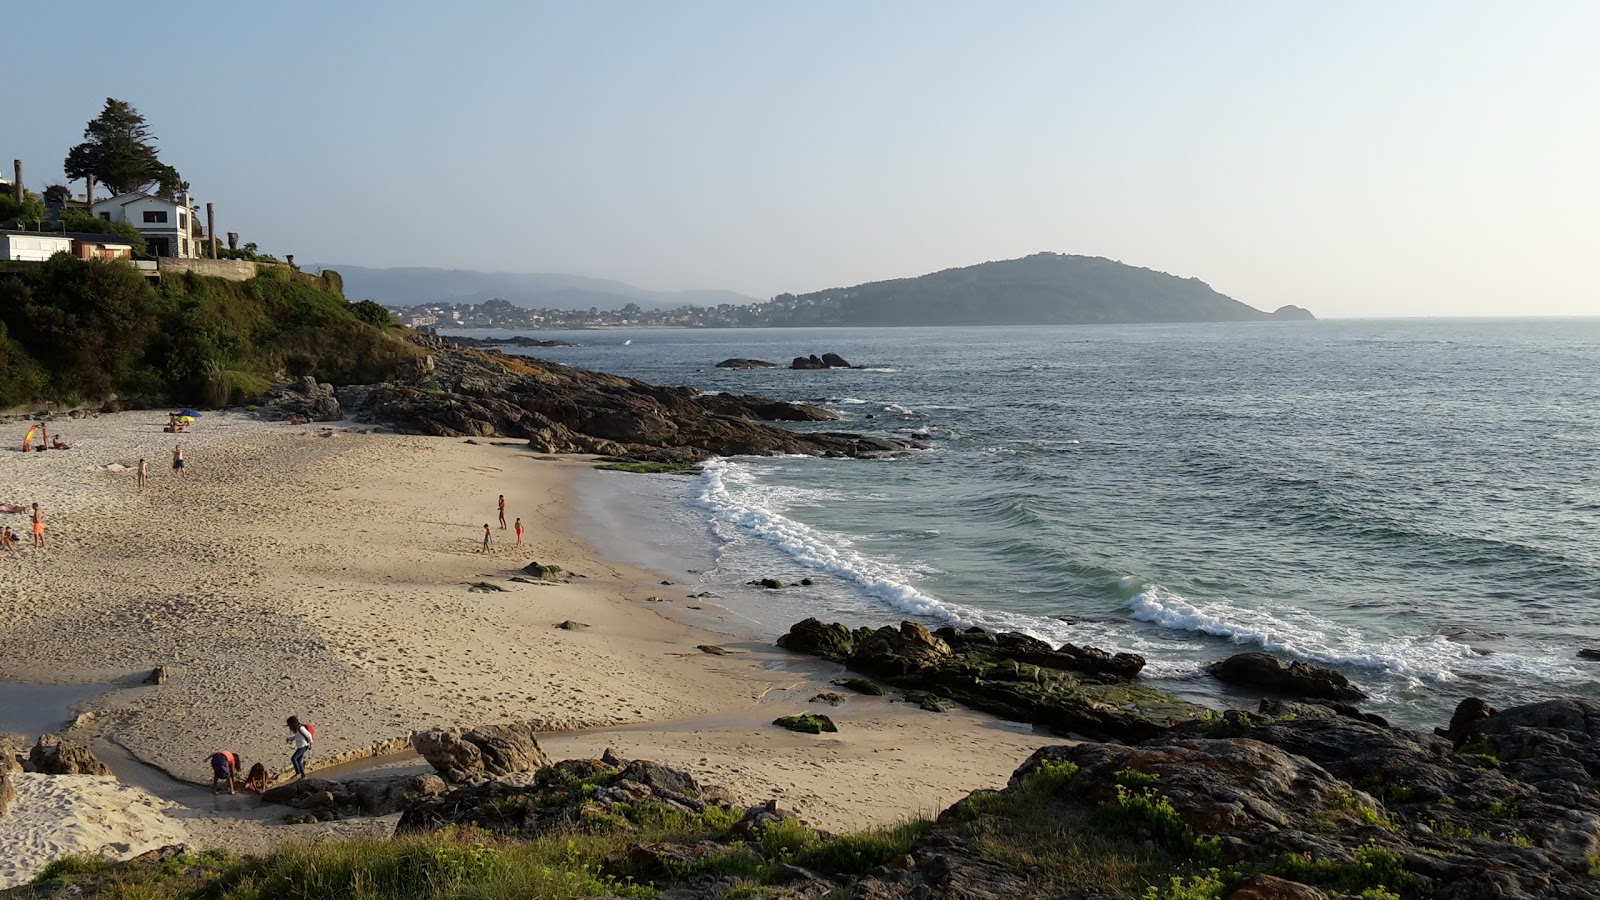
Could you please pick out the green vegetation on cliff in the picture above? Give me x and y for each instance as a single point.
(75, 331)
(1043, 289)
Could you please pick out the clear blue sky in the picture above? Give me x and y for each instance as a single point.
(1357, 158)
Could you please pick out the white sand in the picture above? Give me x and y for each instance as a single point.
(327, 577)
(65, 814)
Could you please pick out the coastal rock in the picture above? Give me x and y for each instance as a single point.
(559, 795)
(542, 571)
(808, 362)
(1265, 672)
(835, 361)
(809, 723)
(55, 755)
(739, 362)
(158, 675)
(486, 751)
(1589, 653)
(975, 668)
(8, 791)
(1468, 715)
(1268, 887)
(1296, 313)
(362, 797)
(305, 398)
(560, 409)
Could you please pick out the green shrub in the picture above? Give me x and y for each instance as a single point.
(859, 851)
(1208, 885)
(784, 838)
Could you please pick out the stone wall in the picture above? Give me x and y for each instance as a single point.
(231, 269)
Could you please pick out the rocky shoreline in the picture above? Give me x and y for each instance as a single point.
(456, 391)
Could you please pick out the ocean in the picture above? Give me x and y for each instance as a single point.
(1413, 502)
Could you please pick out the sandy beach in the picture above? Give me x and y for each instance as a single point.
(325, 573)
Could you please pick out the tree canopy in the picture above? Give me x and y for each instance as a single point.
(119, 151)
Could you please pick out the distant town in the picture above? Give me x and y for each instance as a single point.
(781, 310)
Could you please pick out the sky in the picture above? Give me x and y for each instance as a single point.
(1356, 158)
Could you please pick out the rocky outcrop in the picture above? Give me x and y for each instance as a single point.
(1071, 690)
(825, 361)
(565, 794)
(54, 755)
(8, 791)
(328, 800)
(739, 362)
(456, 392)
(1265, 672)
(485, 751)
(305, 398)
(1295, 313)
(513, 341)
(1347, 806)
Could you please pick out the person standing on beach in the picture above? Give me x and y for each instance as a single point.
(38, 527)
(144, 473)
(502, 512)
(486, 537)
(301, 738)
(177, 460)
(519, 531)
(224, 767)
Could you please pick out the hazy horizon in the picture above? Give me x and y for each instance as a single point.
(1429, 159)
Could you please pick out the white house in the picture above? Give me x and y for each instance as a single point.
(168, 226)
(32, 247)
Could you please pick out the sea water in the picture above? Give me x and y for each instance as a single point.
(1415, 502)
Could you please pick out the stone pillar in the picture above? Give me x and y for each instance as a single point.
(211, 228)
(16, 186)
(233, 240)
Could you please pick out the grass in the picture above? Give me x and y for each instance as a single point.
(1371, 867)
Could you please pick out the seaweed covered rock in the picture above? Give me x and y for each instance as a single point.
(328, 800)
(1265, 672)
(1071, 690)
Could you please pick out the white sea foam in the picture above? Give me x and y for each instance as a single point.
(895, 407)
(1304, 635)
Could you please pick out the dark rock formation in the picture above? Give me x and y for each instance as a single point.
(158, 675)
(1346, 805)
(488, 750)
(542, 571)
(456, 392)
(1073, 690)
(568, 792)
(825, 361)
(54, 755)
(1468, 715)
(328, 800)
(306, 398)
(860, 686)
(739, 362)
(1589, 653)
(1265, 672)
(513, 341)
(808, 724)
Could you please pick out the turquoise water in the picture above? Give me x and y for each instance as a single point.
(1413, 502)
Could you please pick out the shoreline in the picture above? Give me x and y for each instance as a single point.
(312, 571)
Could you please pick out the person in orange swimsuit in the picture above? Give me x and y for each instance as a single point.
(519, 532)
(38, 527)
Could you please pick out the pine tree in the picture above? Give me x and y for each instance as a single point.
(119, 151)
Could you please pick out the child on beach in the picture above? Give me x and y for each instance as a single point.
(144, 473)
(224, 767)
(256, 781)
(486, 537)
(177, 460)
(301, 738)
(502, 512)
(38, 527)
(519, 532)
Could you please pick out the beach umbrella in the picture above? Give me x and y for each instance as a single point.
(188, 414)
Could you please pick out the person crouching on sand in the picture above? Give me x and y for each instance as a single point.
(224, 768)
(256, 781)
(301, 738)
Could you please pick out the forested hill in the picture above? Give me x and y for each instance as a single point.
(1043, 289)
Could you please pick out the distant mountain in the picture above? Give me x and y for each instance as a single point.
(1043, 289)
(414, 286)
